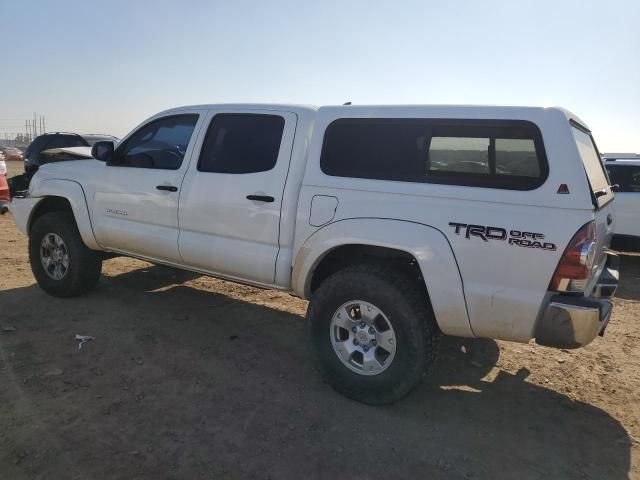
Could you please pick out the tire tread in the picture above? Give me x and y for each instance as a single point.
(85, 264)
(409, 293)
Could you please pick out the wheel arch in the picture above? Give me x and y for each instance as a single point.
(64, 195)
(424, 248)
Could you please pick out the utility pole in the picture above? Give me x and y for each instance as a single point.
(35, 126)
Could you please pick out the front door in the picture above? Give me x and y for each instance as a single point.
(232, 194)
(135, 207)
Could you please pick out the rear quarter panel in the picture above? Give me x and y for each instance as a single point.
(505, 286)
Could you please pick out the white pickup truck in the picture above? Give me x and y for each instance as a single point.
(398, 223)
(624, 172)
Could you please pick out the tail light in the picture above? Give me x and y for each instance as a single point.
(574, 269)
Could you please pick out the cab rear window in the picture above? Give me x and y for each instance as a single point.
(506, 154)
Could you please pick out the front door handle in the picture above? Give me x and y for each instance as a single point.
(167, 188)
(261, 198)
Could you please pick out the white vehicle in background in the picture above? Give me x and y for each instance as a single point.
(624, 171)
(398, 223)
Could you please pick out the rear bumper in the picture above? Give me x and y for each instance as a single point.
(574, 321)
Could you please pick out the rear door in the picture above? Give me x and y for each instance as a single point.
(232, 194)
(602, 195)
(627, 177)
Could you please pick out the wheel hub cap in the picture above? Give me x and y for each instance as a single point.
(54, 256)
(363, 338)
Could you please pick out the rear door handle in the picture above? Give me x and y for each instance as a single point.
(168, 188)
(261, 198)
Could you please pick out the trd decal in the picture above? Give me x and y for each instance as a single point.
(514, 237)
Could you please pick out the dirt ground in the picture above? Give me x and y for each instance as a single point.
(191, 377)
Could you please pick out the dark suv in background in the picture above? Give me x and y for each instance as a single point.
(46, 149)
(33, 157)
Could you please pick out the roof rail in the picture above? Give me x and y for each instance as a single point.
(61, 133)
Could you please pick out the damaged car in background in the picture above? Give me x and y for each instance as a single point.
(12, 153)
(54, 147)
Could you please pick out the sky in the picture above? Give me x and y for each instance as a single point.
(96, 66)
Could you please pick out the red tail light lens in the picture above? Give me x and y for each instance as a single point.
(574, 269)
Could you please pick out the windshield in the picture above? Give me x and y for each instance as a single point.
(593, 166)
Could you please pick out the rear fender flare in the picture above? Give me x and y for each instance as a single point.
(428, 245)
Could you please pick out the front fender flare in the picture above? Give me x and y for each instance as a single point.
(428, 245)
(74, 194)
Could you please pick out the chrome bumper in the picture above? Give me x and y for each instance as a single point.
(573, 322)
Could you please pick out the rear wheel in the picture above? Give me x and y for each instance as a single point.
(373, 333)
(60, 261)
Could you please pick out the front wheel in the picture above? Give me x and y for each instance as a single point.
(62, 264)
(373, 333)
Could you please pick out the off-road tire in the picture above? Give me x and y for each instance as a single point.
(407, 307)
(85, 265)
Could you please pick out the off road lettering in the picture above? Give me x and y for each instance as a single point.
(515, 237)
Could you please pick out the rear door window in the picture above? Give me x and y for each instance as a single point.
(593, 165)
(241, 143)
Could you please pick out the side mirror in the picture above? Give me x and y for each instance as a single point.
(103, 151)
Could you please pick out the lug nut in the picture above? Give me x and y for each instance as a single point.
(355, 341)
(362, 325)
(374, 342)
(372, 330)
(354, 329)
(365, 348)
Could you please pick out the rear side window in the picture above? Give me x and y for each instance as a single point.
(65, 141)
(241, 143)
(626, 176)
(494, 154)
